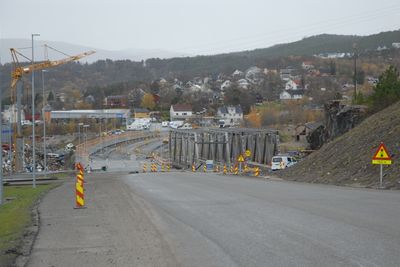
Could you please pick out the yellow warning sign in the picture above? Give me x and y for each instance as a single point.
(240, 158)
(247, 153)
(382, 156)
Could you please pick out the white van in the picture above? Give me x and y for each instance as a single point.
(282, 162)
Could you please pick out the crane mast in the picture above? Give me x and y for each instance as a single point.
(16, 92)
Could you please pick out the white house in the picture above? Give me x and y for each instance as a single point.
(226, 85)
(290, 85)
(307, 65)
(180, 112)
(230, 115)
(291, 94)
(10, 114)
(243, 83)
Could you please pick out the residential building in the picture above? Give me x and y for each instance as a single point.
(307, 65)
(122, 114)
(10, 114)
(141, 113)
(180, 112)
(116, 101)
(291, 94)
(231, 115)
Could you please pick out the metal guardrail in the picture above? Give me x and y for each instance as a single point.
(84, 150)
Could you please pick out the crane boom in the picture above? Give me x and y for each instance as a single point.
(19, 71)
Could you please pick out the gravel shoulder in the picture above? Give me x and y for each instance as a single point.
(114, 229)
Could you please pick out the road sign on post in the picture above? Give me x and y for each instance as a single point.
(247, 153)
(381, 157)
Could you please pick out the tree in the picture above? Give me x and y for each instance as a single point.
(387, 91)
(50, 97)
(148, 101)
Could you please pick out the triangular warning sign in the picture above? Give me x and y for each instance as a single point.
(240, 159)
(381, 153)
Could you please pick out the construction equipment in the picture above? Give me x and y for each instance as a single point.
(16, 85)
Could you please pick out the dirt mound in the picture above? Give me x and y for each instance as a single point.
(347, 159)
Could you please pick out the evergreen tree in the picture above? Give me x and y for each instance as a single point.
(387, 91)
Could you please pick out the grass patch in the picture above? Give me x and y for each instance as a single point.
(15, 216)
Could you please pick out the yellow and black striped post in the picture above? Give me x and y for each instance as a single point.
(256, 171)
(168, 167)
(144, 167)
(225, 169)
(246, 168)
(205, 168)
(193, 167)
(79, 189)
(236, 170)
(162, 167)
(231, 169)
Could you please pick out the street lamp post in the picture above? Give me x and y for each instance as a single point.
(44, 126)
(85, 136)
(33, 116)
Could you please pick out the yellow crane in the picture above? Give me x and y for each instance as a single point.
(16, 76)
(18, 70)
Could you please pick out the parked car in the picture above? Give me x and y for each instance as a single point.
(186, 126)
(165, 123)
(69, 147)
(281, 162)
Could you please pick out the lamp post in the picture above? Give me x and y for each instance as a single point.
(85, 136)
(44, 127)
(1, 141)
(33, 116)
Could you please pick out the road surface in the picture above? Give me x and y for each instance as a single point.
(195, 219)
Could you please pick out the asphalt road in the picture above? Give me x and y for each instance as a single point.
(215, 220)
(197, 219)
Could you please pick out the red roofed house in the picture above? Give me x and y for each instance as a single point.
(180, 112)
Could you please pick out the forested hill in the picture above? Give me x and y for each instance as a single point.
(105, 72)
(328, 43)
(272, 56)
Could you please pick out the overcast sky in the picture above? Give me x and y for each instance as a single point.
(192, 26)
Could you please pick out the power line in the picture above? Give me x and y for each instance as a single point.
(329, 25)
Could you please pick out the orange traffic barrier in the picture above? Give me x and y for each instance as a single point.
(79, 188)
(144, 167)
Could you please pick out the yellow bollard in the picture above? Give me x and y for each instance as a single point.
(144, 167)
(225, 169)
(256, 171)
(162, 167)
(236, 170)
(168, 167)
(205, 168)
(193, 168)
(246, 168)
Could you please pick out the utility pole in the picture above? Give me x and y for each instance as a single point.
(33, 117)
(355, 70)
(1, 138)
(44, 127)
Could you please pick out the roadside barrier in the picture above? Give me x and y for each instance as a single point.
(256, 171)
(205, 168)
(154, 167)
(236, 170)
(193, 167)
(225, 169)
(144, 167)
(79, 188)
(246, 168)
(216, 168)
(162, 167)
(168, 167)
